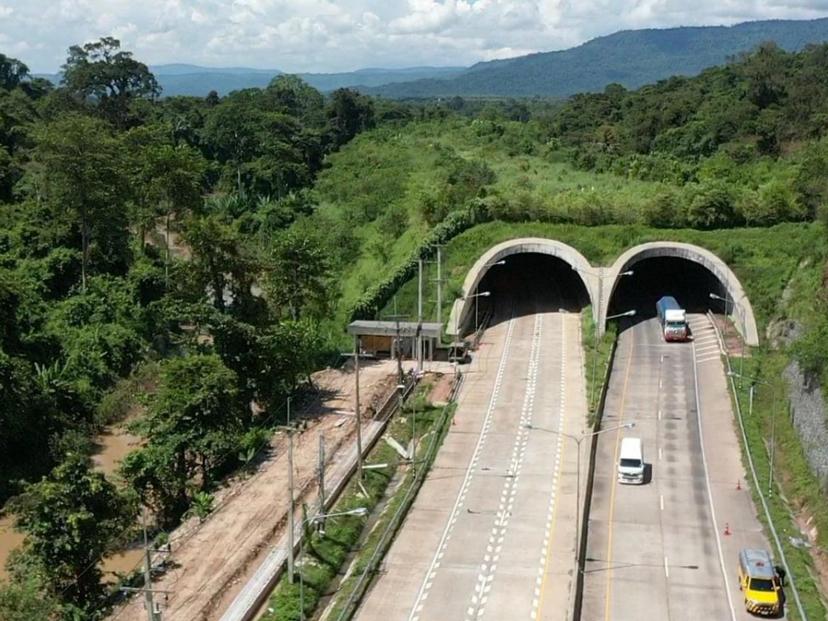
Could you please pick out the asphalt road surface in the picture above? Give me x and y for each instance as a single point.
(491, 534)
(660, 550)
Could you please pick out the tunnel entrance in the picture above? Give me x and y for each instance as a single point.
(689, 282)
(528, 283)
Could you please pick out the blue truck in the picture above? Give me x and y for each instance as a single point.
(673, 319)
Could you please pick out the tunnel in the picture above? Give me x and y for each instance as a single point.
(528, 283)
(521, 276)
(653, 278)
(687, 272)
(530, 274)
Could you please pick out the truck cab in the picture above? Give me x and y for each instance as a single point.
(673, 319)
(759, 582)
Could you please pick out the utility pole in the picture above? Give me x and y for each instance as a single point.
(153, 612)
(356, 409)
(439, 282)
(321, 469)
(419, 315)
(290, 506)
(288, 411)
(148, 601)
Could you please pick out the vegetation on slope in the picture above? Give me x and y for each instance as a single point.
(148, 239)
(212, 250)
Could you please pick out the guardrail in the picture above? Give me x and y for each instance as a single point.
(590, 482)
(749, 455)
(394, 524)
(391, 403)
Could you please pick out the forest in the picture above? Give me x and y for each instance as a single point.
(197, 258)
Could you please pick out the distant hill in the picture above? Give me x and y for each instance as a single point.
(631, 57)
(183, 79)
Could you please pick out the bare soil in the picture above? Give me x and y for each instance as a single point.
(441, 389)
(211, 561)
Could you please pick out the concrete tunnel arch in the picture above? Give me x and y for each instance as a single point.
(741, 309)
(590, 277)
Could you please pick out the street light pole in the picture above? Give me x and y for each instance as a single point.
(728, 300)
(290, 506)
(772, 451)
(485, 293)
(599, 273)
(356, 409)
(311, 520)
(578, 440)
(482, 294)
(592, 404)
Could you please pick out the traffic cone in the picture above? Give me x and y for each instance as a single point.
(727, 530)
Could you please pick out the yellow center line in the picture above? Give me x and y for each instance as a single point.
(553, 526)
(614, 483)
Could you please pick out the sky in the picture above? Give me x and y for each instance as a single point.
(343, 35)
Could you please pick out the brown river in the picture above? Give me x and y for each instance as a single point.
(113, 445)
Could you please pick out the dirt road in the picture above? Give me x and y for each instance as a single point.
(211, 561)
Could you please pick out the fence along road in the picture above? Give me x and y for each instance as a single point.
(660, 551)
(491, 534)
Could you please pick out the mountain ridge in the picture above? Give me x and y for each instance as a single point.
(632, 58)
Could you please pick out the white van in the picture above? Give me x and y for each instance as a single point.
(631, 461)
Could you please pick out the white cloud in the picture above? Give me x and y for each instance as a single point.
(341, 35)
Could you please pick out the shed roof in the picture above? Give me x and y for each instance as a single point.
(389, 328)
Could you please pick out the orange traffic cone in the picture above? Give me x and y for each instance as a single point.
(727, 530)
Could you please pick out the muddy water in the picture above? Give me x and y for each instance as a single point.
(114, 443)
(9, 540)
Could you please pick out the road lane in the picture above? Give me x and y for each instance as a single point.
(491, 534)
(657, 551)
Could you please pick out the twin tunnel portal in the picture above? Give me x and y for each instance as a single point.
(494, 531)
(532, 273)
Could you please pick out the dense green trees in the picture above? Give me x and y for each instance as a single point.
(70, 519)
(133, 230)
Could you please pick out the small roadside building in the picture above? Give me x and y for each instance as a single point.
(386, 338)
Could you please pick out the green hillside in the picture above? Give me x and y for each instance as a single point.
(631, 58)
(179, 259)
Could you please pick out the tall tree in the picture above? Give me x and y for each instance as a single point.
(348, 114)
(167, 181)
(193, 426)
(71, 519)
(81, 173)
(220, 264)
(299, 278)
(12, 72)
(108, 76)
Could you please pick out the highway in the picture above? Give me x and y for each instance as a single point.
(491, 533)
(660, 551)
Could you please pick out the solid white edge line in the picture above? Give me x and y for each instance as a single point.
(709, 489)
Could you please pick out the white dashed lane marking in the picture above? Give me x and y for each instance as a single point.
(431, 574)
(485, 576)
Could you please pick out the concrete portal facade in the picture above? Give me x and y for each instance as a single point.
(738, 308)
(600, 282)
(526, 245)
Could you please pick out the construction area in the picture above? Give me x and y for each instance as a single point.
(211, 561)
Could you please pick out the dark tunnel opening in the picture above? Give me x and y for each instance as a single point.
(529, 283)
(687, 281)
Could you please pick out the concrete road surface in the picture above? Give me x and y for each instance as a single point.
(491, 534)
(659, 551)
